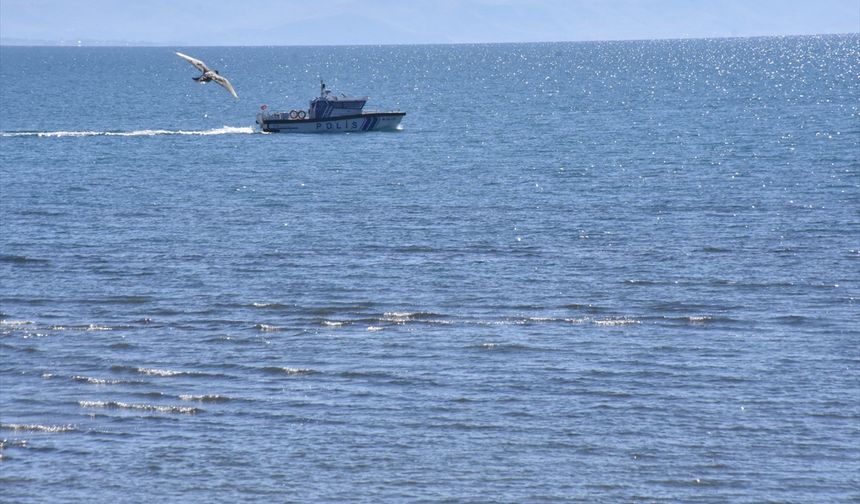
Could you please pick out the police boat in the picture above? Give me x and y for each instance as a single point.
(329, 113)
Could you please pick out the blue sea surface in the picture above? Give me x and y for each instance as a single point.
(581, 272)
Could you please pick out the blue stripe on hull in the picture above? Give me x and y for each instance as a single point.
(346, 124)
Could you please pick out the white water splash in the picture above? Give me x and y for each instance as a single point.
(14, 323)
(38, 427)
(144, 407)
(159, 372)
(297, 371)
(616, 321)
(225, 130)
(98, 381)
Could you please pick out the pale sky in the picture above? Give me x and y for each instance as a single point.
(346, 22)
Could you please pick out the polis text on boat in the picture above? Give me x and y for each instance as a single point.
(329, 113)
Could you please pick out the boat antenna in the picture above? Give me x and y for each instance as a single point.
(322, 88)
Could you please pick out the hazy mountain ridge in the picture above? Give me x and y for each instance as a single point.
(346, 22)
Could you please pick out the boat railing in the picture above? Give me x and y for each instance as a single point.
(292, 115)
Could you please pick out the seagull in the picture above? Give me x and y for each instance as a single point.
(208, 75)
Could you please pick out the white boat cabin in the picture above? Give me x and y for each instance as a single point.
(328, 106)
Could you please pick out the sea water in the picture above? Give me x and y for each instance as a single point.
(596, 272)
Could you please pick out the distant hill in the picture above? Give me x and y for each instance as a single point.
(345, 22)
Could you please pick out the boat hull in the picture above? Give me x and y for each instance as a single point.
(370, 121)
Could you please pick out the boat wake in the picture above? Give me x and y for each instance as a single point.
(225, 130)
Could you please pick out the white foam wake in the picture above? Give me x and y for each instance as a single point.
(225, 130)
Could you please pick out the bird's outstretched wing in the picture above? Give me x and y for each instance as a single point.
(194, 61)
(220, 79)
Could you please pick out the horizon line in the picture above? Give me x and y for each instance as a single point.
(116, 44)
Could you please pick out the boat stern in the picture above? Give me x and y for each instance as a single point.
(261, 121)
